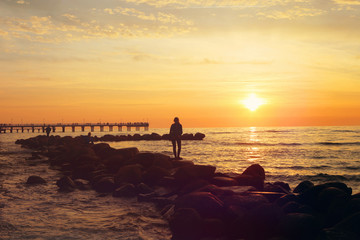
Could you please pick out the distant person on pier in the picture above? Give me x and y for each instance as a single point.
(48, 130)
(89, 139)
(175, 136)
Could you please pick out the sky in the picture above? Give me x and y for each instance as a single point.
(146, 60)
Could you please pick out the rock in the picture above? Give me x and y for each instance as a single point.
(154, 175)
(303, 186)
(114, 162)
(190, 173)
(181, 163)
(84, 172)
(199, 136)
(126, 190)
(85, 159)
(205, 203)
(350, 224)
(245, 201)
(292, 207)
(213, 228)
(224, 181)
(187, 136)
(299, 226)
(186, 223)
(82, 184)
(192, 186)
(163, 161)
(255, 170)
(66, 184)
(143, 188)
(129, 174)
(105, 185)
(103, 150)
(146, 159)
(287, 198)
(33, 180)
(277, 187)
(248, 180)
(127, 153)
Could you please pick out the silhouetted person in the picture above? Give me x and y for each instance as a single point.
(175, 136)
(89, 139)
(48, 130)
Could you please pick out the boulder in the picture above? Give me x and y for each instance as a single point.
(213, 228)
(163, 161)
(205, 203)
(299, 226)
(255, 170)
(146, 159)
(126, 190)
(248, 180)
(114, 162)
(129, 174)
(224, 181)
(199, 136)
(142, 188)
(127, 153)
(245, 201)
(287, 198)
(34, 180)
(190, 173)
(66, 184)
(154, 174)
(105, 185)
(350, 224)
(186, 223)
(303, 186)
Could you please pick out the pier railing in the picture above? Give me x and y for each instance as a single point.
(73, 126)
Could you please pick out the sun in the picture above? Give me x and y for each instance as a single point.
(252, 102)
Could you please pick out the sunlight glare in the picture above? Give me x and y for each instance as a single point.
(252, 102)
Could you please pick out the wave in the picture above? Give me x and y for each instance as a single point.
(338, 143)
(267, 144)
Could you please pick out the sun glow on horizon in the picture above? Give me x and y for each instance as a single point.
(252, 102)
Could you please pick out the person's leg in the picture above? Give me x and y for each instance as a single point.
(179, 147)
(174, 147)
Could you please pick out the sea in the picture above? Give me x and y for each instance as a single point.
(288, 154)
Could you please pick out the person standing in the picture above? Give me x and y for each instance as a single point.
(48, 130)
(175, 136)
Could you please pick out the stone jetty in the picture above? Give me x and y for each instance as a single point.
(198, 201)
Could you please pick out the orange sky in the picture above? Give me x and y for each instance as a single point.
(147, 60)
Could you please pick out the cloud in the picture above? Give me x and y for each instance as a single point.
(348, 2)
(157, 16)
(292, 13)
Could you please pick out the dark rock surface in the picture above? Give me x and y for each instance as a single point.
(199, 202)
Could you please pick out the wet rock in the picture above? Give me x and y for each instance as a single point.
(187, 136)
(126, 190)
(114, 163)
(248, 180)
(299, 226)
(34, 180)
(287, 198)
(66, 184)
(182, 163)
(303, 186)
(190, 173)
(245, 201)
(277, 187)
(146, 159)
(82, 184)
(213, 228)
(350, 224)
(129, 174)
(205, 203)
(154, 174)
(144, 189)
(224, 181)
(186, 223)
(199, 136)
(255, 170)
(105, 185)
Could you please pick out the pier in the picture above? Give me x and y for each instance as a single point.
(73, 127)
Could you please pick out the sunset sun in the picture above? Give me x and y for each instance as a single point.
(252, 102)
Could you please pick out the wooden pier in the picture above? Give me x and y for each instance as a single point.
(73, 126)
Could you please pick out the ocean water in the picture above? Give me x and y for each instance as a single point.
(318, 154)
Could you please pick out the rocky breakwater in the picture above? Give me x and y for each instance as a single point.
(146, 137)
(199, 202)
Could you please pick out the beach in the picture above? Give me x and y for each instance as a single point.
(289, 155)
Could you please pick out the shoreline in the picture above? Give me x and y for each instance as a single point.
(199, 202)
